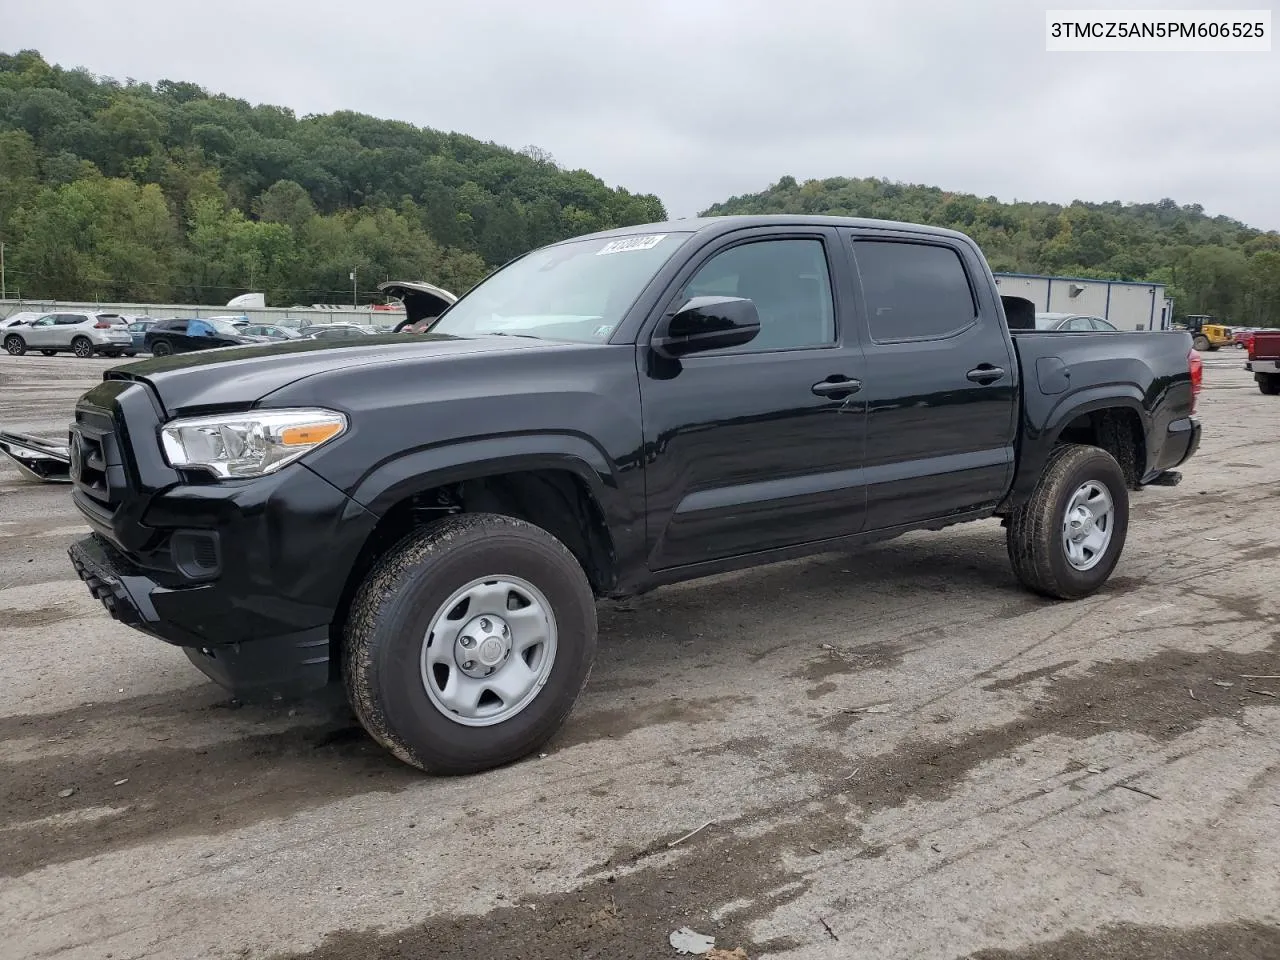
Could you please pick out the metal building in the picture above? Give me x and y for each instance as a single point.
(1128, 305)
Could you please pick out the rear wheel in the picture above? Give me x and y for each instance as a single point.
(161, 349)
(82, 347)
(1269, 383)
(469, 642)
(1065, 541)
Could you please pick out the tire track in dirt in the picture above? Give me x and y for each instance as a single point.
(635, 896)
(1221, 941)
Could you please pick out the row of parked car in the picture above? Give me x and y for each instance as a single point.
(116, 335)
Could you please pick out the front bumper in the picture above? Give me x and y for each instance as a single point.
(287, 664)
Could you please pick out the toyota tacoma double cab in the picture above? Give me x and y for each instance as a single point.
(429, 521)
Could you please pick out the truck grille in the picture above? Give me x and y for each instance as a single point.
(97, 467)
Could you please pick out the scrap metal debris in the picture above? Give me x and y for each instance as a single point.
(37, 459)
(691, 833)
(685, 940)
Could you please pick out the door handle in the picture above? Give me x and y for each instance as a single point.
(836, 386)
(985, 373)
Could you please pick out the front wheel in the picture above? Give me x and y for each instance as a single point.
(82, 347)
(1201, 343)
(14, 345)
(1065, 541)
(469, 642)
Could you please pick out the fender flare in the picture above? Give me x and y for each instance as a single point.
(395, 480)
(1039, 441)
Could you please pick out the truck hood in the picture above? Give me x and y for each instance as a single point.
(237, 376)
(421, 300)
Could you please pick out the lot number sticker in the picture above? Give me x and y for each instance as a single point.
(631, 243)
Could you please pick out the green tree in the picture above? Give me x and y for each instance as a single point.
(96, 238)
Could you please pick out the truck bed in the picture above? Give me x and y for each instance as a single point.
(1062, 370)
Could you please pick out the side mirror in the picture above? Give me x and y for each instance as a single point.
(707, 323)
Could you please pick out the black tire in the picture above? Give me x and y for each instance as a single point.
(1035, 530)
(82, 347)
(1269, 384)
(50, 353)
(131, 353)
(14, 345)
(1200, 342)
(161, 348)
(390, 617)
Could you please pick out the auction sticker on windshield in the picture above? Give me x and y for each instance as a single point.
(628, 244)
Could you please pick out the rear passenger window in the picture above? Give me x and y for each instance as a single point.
(913, 291)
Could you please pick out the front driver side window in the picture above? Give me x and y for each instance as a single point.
(786, 279)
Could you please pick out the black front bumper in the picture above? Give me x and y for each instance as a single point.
(287, 664)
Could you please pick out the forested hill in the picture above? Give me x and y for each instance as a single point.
(1212, 265)
(127, 191)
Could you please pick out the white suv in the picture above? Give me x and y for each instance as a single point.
(84, 334)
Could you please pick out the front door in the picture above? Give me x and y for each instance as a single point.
(41, 332)
(760, 446)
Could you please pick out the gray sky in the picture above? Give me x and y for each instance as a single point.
(699, 100)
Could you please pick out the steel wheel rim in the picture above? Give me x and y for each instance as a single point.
(483, 661)
(1088, 525)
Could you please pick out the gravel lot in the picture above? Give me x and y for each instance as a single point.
(896, 754)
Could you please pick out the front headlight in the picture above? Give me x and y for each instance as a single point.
(249, 444)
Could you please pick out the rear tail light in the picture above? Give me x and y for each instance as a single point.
(1249, 348)
(102, 325)
(1196, 366)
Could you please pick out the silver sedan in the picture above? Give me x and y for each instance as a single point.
(84, 334)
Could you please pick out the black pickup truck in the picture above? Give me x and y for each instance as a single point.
(429, 520)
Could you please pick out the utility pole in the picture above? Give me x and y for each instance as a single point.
(353, 288)
(4, 290)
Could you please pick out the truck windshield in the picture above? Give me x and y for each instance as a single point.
(576, 291)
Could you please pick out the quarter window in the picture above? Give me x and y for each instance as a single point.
(789, 284)
(913, 291)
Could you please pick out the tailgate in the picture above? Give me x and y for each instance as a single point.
(1266, 346)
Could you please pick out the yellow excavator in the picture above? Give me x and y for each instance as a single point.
(1207, 335)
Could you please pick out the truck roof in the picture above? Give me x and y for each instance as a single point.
(716, 225)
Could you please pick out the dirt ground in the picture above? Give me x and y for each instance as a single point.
(892, 754)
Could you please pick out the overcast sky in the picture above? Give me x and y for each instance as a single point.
(699, 100)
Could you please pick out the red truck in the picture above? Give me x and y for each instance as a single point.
(1264, 361)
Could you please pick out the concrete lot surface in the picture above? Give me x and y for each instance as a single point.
(893, 754)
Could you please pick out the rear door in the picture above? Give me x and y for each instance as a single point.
(754, 447)
(67, 327)
(941, 384)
